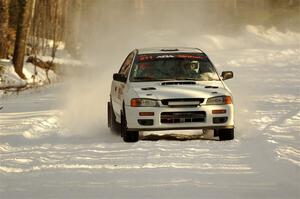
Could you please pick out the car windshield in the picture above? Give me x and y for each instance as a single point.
(164, 67)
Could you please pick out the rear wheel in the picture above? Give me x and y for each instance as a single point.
(111, 117)
(128, 136)
(226, 134)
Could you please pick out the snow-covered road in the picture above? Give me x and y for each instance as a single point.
(40, 157)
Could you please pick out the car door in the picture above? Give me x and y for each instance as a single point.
(118, 87)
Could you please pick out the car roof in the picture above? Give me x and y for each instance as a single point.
(168, 50)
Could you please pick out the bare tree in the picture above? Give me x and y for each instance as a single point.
(73, 20)
(57, 24)
(21, 37)
(4, 19)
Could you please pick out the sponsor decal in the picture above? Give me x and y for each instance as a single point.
(187, 56)
(120, 91)
(164, 56)
(143, 58)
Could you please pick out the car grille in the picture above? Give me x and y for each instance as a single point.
(182, 117)
(182, 102)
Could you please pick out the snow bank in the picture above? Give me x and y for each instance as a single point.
(35, 76)
(8, 77)
(255, 45)
(271, 37)
(251, 37)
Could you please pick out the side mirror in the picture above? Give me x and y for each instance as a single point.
(227, 75)
(119, 77)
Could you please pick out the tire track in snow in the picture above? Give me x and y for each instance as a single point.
(143, 155)
(281, 126)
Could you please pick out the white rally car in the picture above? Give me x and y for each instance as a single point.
(170, 88)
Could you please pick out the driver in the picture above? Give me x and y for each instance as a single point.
(191, 68)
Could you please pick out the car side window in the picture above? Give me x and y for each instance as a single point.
(126, 65)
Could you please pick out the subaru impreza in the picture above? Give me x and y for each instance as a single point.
(170, 88)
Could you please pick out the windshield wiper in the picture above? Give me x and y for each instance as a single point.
(142, 78)
(187, 78)
(150, 79)
(197, 79)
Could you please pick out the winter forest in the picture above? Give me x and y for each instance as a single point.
(28, 26)
(57, 64)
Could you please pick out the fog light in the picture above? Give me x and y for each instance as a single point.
(145, 122)
(146, 113)
(219, 120)
(220, 111)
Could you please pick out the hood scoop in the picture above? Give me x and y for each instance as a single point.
(178, 83)
(148, 89)
(211, 87)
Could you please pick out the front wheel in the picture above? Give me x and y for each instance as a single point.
(128, 136)
(226, 134)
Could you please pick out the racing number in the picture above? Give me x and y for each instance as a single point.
(120, 91)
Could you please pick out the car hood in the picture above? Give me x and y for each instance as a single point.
(179, 89)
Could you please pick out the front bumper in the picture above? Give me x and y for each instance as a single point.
(133, 116)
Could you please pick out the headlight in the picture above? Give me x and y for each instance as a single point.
(220, 100)
(140, 102)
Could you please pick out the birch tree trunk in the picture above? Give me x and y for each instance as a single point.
(4, 19)
(21, 37)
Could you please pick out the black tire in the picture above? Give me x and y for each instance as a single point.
(111, 117)
(128, 136)
(226, 134)
(108, 115)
